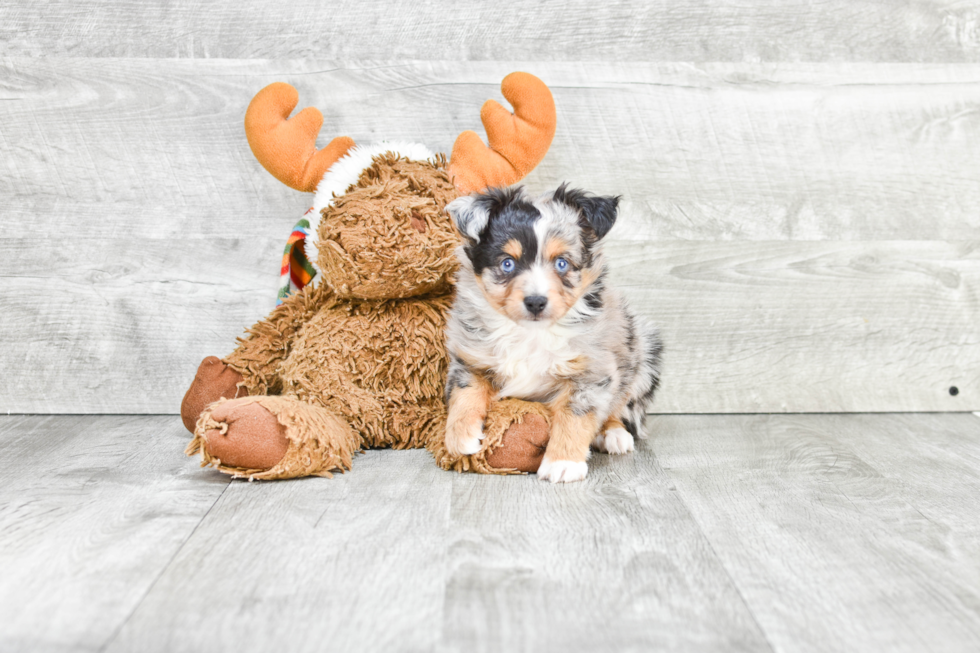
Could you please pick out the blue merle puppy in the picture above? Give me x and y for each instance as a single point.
(534, 319)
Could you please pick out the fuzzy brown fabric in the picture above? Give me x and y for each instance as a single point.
(266, 344)
(371, 245)
(380, 365)
(360, 360)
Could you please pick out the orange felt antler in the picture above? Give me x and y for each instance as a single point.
(518, 141)
(285, 146)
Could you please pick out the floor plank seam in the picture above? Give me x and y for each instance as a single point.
(163, 570)
(721, 562)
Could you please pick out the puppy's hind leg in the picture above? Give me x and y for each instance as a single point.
(648, 377)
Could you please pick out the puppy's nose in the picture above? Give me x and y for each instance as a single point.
(535, 303)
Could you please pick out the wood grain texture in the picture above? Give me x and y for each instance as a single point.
(749, 327)
(169, 234)
(833, 546)
(613, 563)
(92, 509)
(898, 452)
(810, 326)
(721, 532)
(118, 148)
(119, 326)
(353, 563)
(692, 30)
(399, 555)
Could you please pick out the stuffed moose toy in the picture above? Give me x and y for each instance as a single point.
(353, 357)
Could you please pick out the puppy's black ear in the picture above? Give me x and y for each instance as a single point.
(470, 215)
(596, 213)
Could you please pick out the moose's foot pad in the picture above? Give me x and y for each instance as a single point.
(522, 446)
(214, 380)
(245, 434)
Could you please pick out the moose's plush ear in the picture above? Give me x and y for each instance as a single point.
(596, 213)
(469, 215)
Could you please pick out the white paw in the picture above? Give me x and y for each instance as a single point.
(615, 441)
(468, 442)
(562, 471)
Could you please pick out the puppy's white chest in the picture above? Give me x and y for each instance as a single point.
(530, 361)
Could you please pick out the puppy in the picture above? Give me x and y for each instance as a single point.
(534, 319)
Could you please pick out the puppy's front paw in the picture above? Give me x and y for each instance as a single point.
(464, 439)
(615, 441)
(562, 471)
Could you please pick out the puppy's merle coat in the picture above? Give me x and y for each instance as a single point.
(534, 319)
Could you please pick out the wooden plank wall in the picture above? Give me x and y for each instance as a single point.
(800, 181)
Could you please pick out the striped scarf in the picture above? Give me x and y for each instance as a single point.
(296, 271)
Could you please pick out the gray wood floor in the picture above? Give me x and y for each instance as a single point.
(781, 532)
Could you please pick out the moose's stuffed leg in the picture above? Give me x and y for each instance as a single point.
(214, 380)
(524, 435)
(269, 437)
(515, 437)
(252, 368)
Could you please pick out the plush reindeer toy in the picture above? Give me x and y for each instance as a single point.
(354, 357)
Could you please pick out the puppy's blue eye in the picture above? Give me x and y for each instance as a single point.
(561, 264)
(507, 265)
